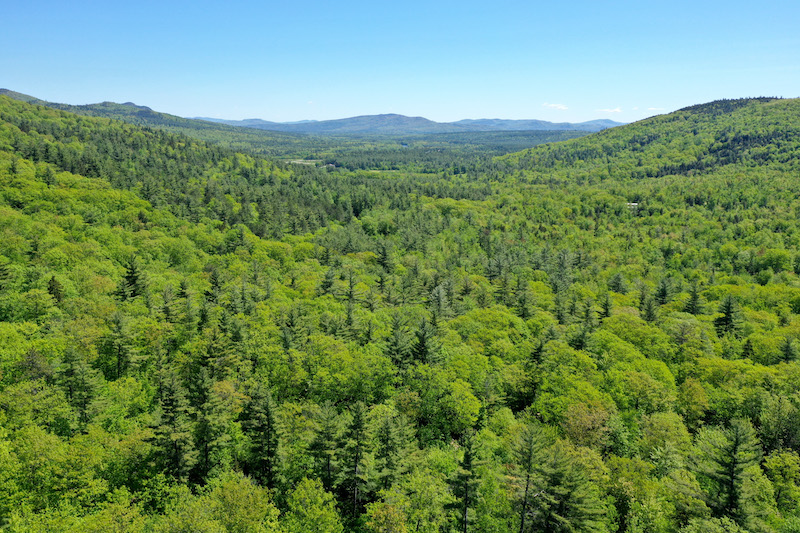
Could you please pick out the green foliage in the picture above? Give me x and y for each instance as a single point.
(311, 509)
(195, 339)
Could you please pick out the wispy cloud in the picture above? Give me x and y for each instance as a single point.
(615, 110)
(560, 107)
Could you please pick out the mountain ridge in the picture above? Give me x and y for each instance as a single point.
(393, 123)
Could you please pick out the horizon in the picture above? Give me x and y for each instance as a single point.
(447, 61)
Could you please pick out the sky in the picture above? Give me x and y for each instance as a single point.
(567, 61)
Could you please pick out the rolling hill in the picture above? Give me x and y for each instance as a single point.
(697, 139)
(197, 339)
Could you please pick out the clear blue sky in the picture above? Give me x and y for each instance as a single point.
(444, 60)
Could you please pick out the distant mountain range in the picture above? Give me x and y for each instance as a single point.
(389, 124)
(392, 124)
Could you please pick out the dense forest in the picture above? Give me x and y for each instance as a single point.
(594, 335)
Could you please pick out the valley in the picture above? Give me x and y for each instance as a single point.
(490, 331)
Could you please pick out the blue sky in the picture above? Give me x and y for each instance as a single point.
(445, 60)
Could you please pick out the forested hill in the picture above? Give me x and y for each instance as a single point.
(753, 132)
(195, 339)
(363, 149)
(264, 143)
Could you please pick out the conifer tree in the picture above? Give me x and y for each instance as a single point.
(694, 304)
(173, 437)
(399, 344)
(724, 454)
(557, 495)
(731, 320)
(393, 440)
(133, 283)
(55, 289)
(650, 310)
(80, 382)
(353, 455)
(788, 350)
(258, 423)
(663, 291)
(324, 447)
(425, 347)
(465, 482)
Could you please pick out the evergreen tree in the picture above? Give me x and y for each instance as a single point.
(399, 343)
(326, 286)
(663, 293)
(133, 283)
(605, 306)
(617, 283)
(116, 349)
(353, 455)
(324, 447)
(393, 440)
(425, 347)
(465, 482)
(694, 304)
(557, 496)
(731, 320)
(173, 433)
(788, 350)
(258, 423)
(650, 310)
(747, 349)
(80, 382)
(6, 274)
(55, 289)
(724, 454)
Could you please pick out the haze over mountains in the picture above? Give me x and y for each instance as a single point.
(394, 124)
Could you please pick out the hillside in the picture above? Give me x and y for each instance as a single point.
(562, 339)
(264, 143)
(373, 147)
(702, 138)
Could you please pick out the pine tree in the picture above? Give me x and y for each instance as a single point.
(258, 423)
(398, 345)
(529, 452)
(694, 304)
(55, 289)
(393, 438)
(326, 286)
(425, 347)
(557, 496)
(605, 306)
(650, 310)
(6, 275)
(747, 349)
(724, 454)
(133, 283)
(173, 436)
(353, 454)
(80, 382)
(664, 291)
(116, 348)
(731, 320)
(465, 482)
(788, 350)
(324, 447)
(617, 283)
